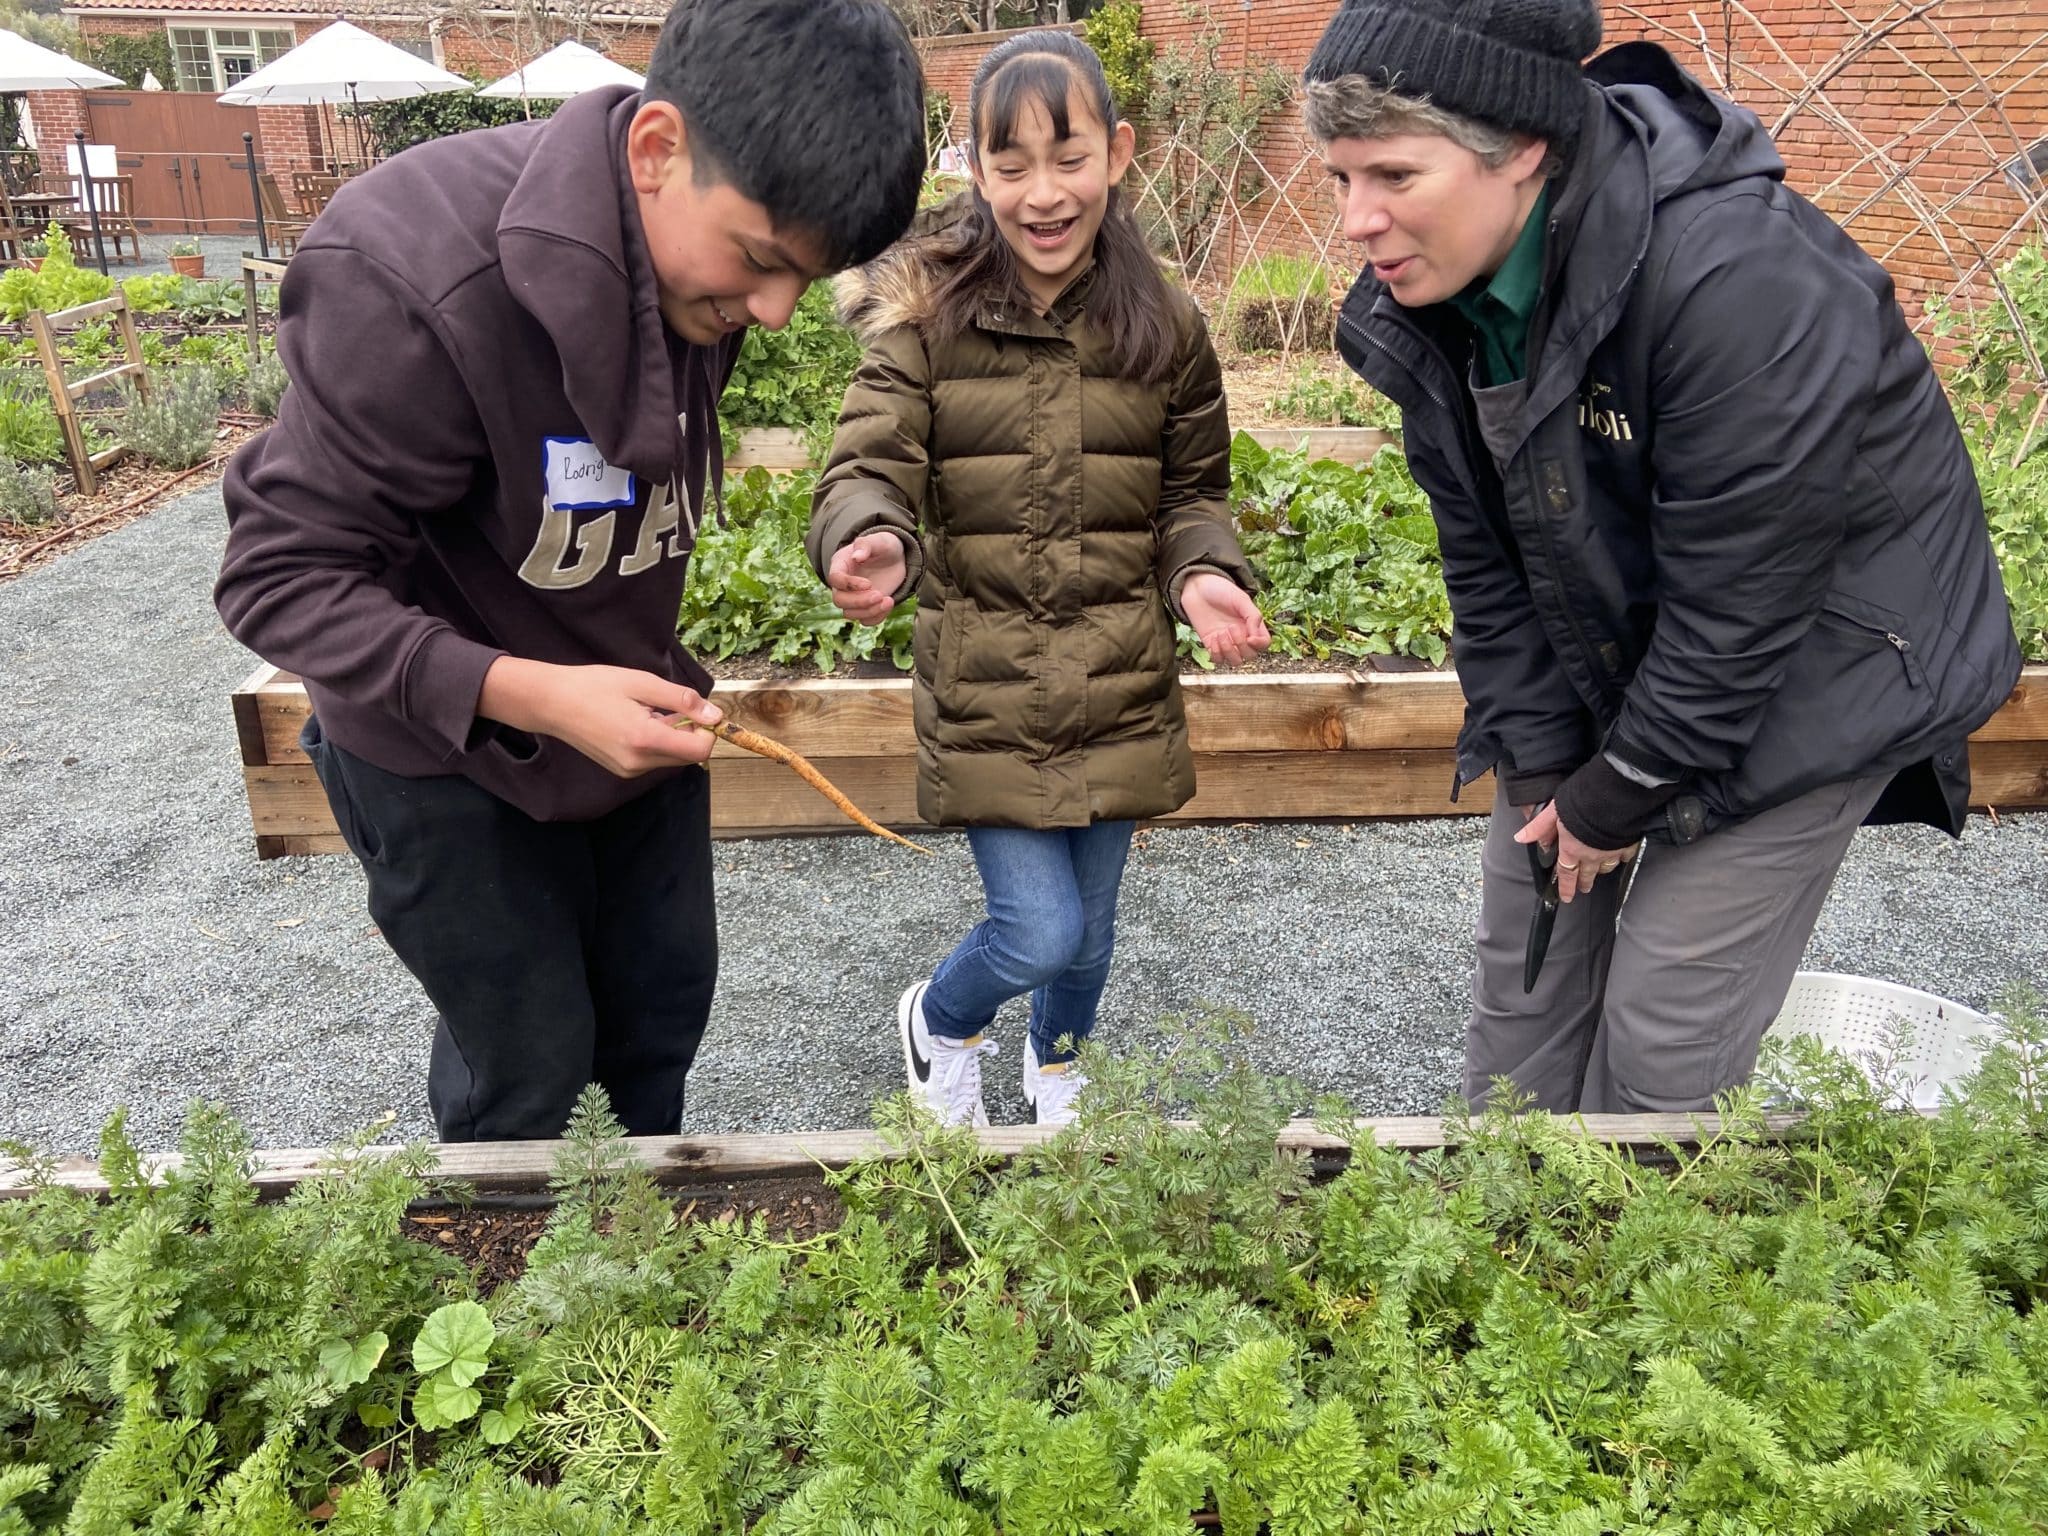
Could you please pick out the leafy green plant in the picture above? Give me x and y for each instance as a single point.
(1115, 32)
(1157, 1316)
(2000, 392)
(154, 292)
(90, 345)
(28, 495)
(60, 283)
(795, 377)
(225, 354)
(176, 422)
(132, 55)
(187, 248)
(1317, 396)
(29, 433)
(751, 588)
(1348, 556)
(397, 125)
(1280, 303)
(200, 302)
(266, 385)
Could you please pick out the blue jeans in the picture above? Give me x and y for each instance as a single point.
(1050, 930)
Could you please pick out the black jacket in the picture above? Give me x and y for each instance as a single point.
(1725, 529)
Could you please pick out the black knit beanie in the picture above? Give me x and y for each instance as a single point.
(1511, 63)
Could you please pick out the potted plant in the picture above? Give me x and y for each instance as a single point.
(33, 249)
(188, 259)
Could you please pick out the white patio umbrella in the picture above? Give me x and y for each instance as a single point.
(342, 62)
(567, 69)
(27, 66)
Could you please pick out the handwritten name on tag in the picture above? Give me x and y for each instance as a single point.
(578, 478)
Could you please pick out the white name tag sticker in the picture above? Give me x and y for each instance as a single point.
(579, 480)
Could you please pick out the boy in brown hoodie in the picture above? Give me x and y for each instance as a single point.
(468, 530)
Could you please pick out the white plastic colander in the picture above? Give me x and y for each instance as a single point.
(1857, 1014)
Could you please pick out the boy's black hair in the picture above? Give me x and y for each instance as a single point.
(812, 108)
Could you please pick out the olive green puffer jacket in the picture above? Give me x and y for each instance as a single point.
(1059, 504)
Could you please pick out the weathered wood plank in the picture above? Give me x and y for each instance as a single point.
(2008, 775)
(1323, 711)
(1268, 747)
(513, 1167)
(777, 449)
(782, 449)
(1229, 786)
(862, 717)
(1348, 445)
(249, 717)
(292, 846)
(2024, 715)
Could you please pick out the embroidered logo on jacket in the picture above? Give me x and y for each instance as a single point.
(1603, 421)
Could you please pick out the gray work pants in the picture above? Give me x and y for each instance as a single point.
(1664, 1008)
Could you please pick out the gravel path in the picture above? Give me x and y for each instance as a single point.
(147, 957)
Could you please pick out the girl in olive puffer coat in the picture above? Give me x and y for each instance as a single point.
(1036, 444)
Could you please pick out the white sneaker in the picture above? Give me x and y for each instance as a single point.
(1051, 1091)
(945, 1073)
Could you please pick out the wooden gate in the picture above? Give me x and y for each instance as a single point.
(185, 152)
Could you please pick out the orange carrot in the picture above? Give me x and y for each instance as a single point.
(776, 752)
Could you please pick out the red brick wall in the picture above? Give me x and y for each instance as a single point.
(949, 66)
(57, 115)
(1895, 96)
(291, 139)
(491, 51)
(122, 26)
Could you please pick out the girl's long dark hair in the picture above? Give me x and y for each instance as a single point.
(1130, 300)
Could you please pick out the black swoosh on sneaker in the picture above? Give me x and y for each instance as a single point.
(919, 1064)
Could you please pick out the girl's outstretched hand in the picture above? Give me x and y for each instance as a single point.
(1224, 618)
(865, 574)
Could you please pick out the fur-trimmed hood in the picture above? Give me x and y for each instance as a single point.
(898, 286)
(894, 289)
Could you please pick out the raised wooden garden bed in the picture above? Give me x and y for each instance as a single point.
(781, 449)
(1268, 747)
(691, 1162)
(1285, 747)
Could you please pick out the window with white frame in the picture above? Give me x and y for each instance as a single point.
(215, 59)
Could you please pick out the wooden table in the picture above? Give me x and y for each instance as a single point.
(43, 203)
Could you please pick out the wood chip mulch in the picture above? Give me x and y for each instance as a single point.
(128, 490)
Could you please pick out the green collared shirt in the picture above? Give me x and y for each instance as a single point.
(1498, 309)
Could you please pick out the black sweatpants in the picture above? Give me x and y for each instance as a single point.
(558, 953)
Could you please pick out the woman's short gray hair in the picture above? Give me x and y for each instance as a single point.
(1352, 107)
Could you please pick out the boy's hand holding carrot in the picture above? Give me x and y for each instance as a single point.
(865, 574)
(1224, 618)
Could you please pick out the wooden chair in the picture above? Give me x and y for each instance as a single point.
(14, 227)
(311, 190)
(115, 198)
(281, 226)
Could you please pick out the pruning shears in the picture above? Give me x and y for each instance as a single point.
(1543, 870)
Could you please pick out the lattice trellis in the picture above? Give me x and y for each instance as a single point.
(1962, 168)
